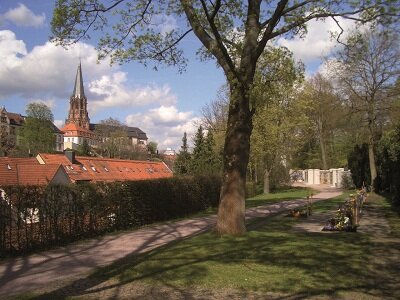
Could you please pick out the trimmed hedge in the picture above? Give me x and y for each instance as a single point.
(38, 217)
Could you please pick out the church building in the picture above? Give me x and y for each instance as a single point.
(78, 128)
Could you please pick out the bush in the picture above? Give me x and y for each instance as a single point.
(33, 217)
(358, 163)
(388, 161)
(347, 181)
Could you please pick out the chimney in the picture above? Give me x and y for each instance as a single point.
(70, 154)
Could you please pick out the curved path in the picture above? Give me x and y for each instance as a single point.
(44, 269)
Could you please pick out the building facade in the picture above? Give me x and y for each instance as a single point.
(78, 128)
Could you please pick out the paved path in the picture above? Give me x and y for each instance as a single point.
(38, 271)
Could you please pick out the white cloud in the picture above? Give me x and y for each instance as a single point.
(23, 16)
(165, 125)
(113, 91)
(46, 69)
(59, 123)
(318, 42)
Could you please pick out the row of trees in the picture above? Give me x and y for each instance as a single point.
(203, 160)
(317, 122)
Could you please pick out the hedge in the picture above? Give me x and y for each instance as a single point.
(38, 217)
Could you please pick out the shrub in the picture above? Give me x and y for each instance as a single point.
(33, 217)
(347, 181)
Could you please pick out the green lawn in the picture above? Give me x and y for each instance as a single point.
(283, 194)
(288, 193)
(271, 259)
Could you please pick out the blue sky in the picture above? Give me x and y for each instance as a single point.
(163, 103)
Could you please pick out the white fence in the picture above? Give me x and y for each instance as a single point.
(333, 177)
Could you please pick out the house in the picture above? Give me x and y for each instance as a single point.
(75, 135)
(9, 122)
(96, 169)
(135, 135)
(28, 171)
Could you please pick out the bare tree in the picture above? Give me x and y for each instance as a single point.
(368, 69)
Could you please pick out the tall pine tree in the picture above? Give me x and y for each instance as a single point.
(183, 158)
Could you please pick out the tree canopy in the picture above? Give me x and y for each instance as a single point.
(37, 132)
(40, 111)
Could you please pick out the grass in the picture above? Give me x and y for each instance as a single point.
(288, 193)
(282, 194)
(391, 212)
(270, 259)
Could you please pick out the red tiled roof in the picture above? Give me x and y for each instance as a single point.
(36, 174)
(74, 127)
(25, 171)
(15, 119)
(108, 170)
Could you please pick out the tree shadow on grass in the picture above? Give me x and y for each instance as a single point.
(269, 259)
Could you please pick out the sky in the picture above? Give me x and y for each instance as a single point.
(163, 103)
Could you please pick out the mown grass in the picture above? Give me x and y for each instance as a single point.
(283, 194)
(270, 258)
(279, 195)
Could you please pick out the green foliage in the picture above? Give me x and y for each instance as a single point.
(36, 135)
(279, 116)
(34, 217)
(84, 149)
(152, 147)
(183, 158)
(358, 163)
(388, 161)
(347, 182)
(204, 158)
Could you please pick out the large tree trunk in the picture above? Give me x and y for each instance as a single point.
(266, 182)
(231, 211)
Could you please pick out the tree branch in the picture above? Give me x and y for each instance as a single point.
(271, 25)
(160, 53)
(213, 45)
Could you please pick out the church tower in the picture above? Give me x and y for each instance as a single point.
(78, 113)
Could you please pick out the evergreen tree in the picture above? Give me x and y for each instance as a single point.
(84, 149)
(183, 158)
(197, 163)
(205, 160)
(212, 160)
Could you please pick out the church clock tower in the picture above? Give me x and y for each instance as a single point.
(78, 114)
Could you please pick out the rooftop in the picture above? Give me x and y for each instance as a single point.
(107, 170)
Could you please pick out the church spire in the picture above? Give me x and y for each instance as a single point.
(78, 113)
(78, 88)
